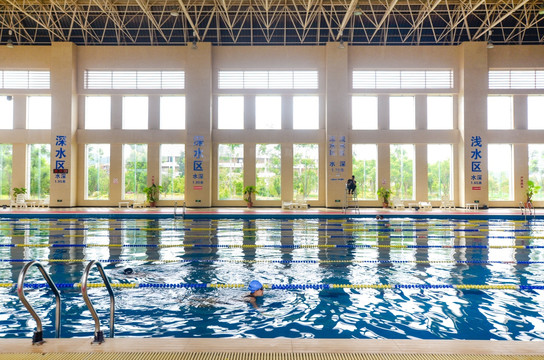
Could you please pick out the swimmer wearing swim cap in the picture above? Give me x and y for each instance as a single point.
(256, 290)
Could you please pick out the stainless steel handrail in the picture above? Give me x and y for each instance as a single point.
(98, 334)
(37, 338)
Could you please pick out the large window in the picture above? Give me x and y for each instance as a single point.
(402, 170)
(499, 171)
(231, 171)
(39, 163)
(268, 112)
(230, 112)
(402, 113)
(135, 112)
(98, 171)
(535, 112)
(365, 160)
(39, 112)
(173, 171)
(172, 112)
(97, 112)
(439, 112)
(439, 174)
(500, 112)
(536, 168)
(306, 112)
(6, 163)
(6, 112)
(268, 171)
(364, 112)
(306, 171)
(134, 170)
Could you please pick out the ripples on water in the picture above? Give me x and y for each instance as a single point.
(304, 313)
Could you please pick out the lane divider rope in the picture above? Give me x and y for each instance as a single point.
(301, 246)
(290, 286)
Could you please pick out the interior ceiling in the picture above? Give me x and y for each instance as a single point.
(271, 22)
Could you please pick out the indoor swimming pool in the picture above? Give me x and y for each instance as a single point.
(398, 278)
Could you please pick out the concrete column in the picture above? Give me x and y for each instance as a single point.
(337, 160)
(63, 124)
(198, 78)
(473, 123)
(421, 192)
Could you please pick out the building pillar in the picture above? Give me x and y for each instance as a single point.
(473, 90)
(63, 180)
(337, 159)
(198, 78)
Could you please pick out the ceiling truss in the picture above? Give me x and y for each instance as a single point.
(271, 22)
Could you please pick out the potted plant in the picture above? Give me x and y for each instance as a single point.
(249, 190)
(385, 194)
(531, 190)
(18, 191)
(152, 192)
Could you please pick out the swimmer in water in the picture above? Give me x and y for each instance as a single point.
(256, 290)
(128, 271)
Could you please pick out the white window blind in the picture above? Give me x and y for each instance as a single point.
(516, 79)
(24, 79)
(268, 80)
(402, 79)
(136, 79)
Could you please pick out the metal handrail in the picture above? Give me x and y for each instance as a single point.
(37, 338)
(184, 210)
(98, 334)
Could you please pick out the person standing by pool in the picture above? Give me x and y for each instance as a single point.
(351, 185)
(256, 290)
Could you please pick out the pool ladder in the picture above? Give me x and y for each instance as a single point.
(527, 209)
(176, 211)
(37, 338)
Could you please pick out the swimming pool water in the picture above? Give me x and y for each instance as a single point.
(281, 253)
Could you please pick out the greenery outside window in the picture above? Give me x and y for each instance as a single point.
(230, 171)
(173, 171)
(365, 159)
(6, 164)
(499, 171)
(306, 171)
(268, 171)
(536, 168)
(402, 170)
(439, 165)
(134, 170)
(98, 172)
(39, 164)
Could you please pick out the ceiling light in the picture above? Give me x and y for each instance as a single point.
(541, 10)
(194, 47)
(341, 46)
(174, 13)
(490, 45)
(10, 44)
(358, 12)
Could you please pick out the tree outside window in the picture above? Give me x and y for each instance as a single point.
(365, 158)
(6, 164)
(402, 171)
(306, 171)
(173, 171)
(439, 171)
(499, 171)
(98, 171)
(536, 168)
(40, 168)
(135, 170)
(230, 171)
(268, 162)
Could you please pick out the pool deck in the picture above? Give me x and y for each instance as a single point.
(270, 346)
(256, 212)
